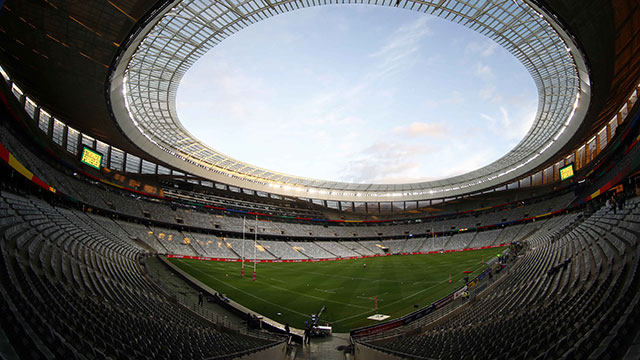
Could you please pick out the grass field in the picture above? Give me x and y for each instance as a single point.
(297, 290)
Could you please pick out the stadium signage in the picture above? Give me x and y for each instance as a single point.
(374, 329)
(459, 293)
(417, 314)
(566, 172)
(91, 158)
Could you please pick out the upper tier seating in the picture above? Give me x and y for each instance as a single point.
(100, 196)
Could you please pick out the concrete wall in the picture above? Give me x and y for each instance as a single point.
(278, 352)
(363, 352)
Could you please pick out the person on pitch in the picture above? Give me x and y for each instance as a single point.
(307, 335)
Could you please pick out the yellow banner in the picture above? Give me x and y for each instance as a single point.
(19, 168)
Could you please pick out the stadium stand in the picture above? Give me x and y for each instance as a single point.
(212, 246)
(143, 210)
(356, 247)
(311, 250)
(485, 238)
(261, 253)
(61, 268)
(568, 297)
(66, 252)
(282, 250)
(73, 244)
(413, 244)
(339, 249)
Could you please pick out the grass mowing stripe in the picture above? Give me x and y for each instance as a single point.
(423, 290)
(341, 276)
(290, 292)
(380, 307)
(248, 294)
(316, 297)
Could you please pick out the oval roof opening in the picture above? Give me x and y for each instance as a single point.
(359, 94)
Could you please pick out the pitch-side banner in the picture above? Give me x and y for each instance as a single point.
(459, 293)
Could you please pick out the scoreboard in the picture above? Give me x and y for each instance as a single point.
(566, 172)
(91, 158)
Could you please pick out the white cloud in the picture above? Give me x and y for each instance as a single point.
(508, 127)
(454, 98)
(488, 93)
(484, 72)
(400, 48)
(482, 48)
(406, 109)
(462, 164)
(386, 162)
(421, 129)
(331, 119)
(403, 38)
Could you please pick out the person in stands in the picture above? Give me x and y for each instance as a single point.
(200, 299)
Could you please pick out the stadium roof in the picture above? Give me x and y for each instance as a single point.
(63, 53)
(146, 79)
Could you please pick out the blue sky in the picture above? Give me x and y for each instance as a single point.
(359, 94)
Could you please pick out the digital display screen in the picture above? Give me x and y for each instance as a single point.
(91, 158)
(566, 172)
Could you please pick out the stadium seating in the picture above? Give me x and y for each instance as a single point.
(282, 250)
(110, 199)
(311, 250)
(572, 295)
(356, 247)
(413, 244)
(486, 238)
(67, 272)
(71, 288)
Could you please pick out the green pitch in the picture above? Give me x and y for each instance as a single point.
(345, 287)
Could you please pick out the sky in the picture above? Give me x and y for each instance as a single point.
(362, 94)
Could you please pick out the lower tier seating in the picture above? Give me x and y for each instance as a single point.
(70, 288)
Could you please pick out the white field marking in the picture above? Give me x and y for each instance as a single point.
(315, 297)
(395, 302)
(426, 282)
(288, 290)
(407, 297)
(371, 297)
(249, 294)
(341, 276)
(278, 280)
(329, 291)
(346, 277)
(325, 291)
